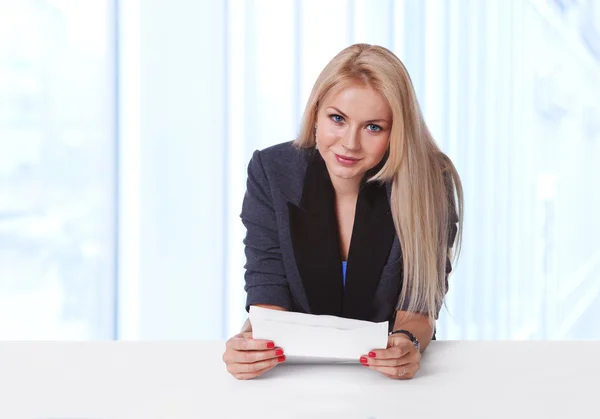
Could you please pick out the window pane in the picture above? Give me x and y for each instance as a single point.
(57, 169)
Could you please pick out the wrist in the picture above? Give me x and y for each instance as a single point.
(408, 335)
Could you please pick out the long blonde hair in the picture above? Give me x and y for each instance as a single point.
(426, 196)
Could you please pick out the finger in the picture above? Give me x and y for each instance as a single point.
(397, 351)
(251, 357)
(393, 362)
(402, 372)
(232, 356)
(239, 368)
(250, 375)
(243, 342)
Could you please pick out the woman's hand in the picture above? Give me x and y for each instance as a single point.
(248, 358)
(400, 360)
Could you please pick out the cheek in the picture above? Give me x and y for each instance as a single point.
(376, 147)
(327, 136)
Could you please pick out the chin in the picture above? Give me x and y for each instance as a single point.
(347, 174)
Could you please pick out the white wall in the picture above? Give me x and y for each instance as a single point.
(173, 172)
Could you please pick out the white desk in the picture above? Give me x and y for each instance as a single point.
(121, 380)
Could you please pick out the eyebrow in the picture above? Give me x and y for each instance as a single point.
(346, 116)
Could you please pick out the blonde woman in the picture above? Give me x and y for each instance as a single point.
(356, 218)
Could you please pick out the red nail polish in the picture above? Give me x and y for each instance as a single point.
(281, 358)
(364, 360)
(270, 345)
(371, 354)
(279, 352)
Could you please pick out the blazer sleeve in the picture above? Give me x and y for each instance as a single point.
(265, 279)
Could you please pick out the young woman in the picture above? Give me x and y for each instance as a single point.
(355, 218)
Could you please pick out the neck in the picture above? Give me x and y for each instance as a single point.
(346, 188)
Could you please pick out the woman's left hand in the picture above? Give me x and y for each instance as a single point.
(400, 360)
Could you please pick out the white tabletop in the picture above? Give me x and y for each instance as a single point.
(146, 380)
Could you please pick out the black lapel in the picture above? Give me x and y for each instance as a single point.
(372, 239)
(315, 240)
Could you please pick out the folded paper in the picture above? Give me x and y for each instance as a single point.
(318, 338)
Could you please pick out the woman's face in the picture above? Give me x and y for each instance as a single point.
(353, 130)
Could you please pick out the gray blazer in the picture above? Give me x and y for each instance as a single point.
(291, 243)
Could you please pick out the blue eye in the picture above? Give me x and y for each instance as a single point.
(373, 127)
(336, 118)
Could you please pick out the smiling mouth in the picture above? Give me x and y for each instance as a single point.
(345, 159)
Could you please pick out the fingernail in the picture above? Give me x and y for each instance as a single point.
(270, 345)
(371, 354)
(281, 358)
(279, 352)
(364, 360)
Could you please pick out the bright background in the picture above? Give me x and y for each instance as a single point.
(126, 127)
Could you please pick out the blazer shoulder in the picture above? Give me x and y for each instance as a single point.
(283, 167)
(284, 160)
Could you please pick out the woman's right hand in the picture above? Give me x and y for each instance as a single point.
(248, 358)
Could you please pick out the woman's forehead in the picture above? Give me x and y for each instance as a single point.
(358, 98)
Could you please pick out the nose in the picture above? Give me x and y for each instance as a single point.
(351, 140)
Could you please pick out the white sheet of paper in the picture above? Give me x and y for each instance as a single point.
(318, 338)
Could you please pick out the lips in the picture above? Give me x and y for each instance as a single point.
(346, 160)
